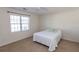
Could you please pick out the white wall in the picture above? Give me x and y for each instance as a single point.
(68, 22)
(6, 36)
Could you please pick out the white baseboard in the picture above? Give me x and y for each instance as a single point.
(4, 44)
(70, 39)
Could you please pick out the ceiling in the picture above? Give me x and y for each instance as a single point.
(44, 10)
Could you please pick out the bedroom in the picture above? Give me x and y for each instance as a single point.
(66, 19)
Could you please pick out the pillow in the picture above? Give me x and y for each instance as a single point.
(51, 30)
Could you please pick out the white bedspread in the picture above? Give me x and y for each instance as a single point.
(48, 38)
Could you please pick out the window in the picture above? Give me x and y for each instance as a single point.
(19, 23)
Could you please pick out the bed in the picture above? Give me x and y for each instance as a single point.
(48, 38)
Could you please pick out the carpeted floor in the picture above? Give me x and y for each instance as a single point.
(27, 45)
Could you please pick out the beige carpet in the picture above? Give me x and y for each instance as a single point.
(27, 45)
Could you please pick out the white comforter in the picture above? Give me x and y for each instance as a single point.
(48, 38)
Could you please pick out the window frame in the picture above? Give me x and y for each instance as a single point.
(20, 23)
(23, 23)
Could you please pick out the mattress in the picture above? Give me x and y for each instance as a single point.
(48, 38)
